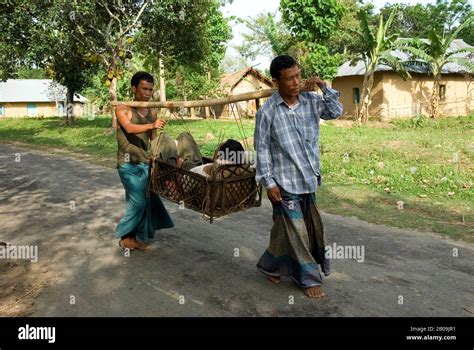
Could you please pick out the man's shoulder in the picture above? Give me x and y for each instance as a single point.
(269, 105)
(123, 108)
(309, 95)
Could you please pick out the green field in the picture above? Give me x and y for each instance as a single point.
(428, 166)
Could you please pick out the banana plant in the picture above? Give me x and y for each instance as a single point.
(434, 54)
(378, 50)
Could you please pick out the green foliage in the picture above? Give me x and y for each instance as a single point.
(104, 31)
(31, 73)
(190, 33)
(194, 85)
(319, 61)
(418, 121)
(435, 53)
(46, 42)
(377, 49)
(21, 36)
(217, 34)
(312, 20)
(416, 21)
(344, 40)
(265, 37)
(98, 94)
(191, 51)
(377, 43)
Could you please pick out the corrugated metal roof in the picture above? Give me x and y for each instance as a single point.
(346, 69)
(34, 90)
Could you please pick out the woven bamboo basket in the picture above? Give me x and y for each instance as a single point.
(232, 188)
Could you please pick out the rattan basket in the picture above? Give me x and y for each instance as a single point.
(232, 188)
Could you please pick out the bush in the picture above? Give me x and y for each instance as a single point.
(418, 121)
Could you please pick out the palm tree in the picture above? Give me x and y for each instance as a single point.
(434, 54)
(378, 50)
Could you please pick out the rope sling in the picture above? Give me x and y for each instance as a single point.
(229, 188)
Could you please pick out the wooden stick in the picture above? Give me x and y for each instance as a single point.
(199, 103)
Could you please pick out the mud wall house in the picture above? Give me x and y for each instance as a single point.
(245, 80)
(393, 97)
(35, 98)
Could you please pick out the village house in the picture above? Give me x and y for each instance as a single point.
(393, 97)
(36, 97)
(245, 80)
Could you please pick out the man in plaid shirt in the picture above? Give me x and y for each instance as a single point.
(288, 164)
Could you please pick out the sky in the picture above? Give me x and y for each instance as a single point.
(250, 8)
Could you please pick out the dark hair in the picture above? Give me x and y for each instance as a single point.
(139, 76)
(279, 63)
(231, 148)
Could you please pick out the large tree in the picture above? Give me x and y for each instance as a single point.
(345, 40)
(37, 36)
(417, 20)
(266, 36)
(313, 22)
(192, 53)
(110, 28)
(104, 31)
(20, 36)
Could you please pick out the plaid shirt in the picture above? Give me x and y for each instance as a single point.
(287, 140)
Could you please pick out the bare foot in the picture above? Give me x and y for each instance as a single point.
(313, 292)
(139, 245)
(131, 243)
(126, 243)
(275, 280)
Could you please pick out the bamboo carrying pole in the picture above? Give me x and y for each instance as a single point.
(200, 103)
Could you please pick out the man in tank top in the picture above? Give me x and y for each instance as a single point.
(137, 127)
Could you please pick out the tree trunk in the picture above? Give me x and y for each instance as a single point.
(207, 111)
(434, 103)
(363, 112)
(70, 119)
(358, 114)
(113, 98)
(469, 80)
(162, 81)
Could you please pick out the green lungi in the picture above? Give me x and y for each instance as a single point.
(144, 213)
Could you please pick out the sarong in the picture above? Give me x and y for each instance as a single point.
(297, 243)
(144, 213)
